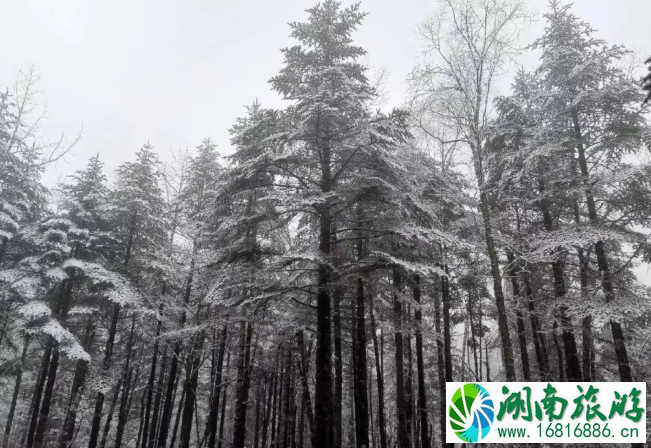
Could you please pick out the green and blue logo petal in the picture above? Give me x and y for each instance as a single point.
(471, 413)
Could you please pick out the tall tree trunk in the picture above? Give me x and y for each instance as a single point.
(303, 368)
(152, 378)
(61, 312)
(123, 412)
(81, 371)
(536, 331)
(403, 432)
(522, 332)
(573, 364)
(361, 383)
(301, 427)
(243, 385)
(177, 419)
(559, 352)
(128, 372)
(338, 364)
(192, 363)
(214, 407)
(473, 333)
(155, 417)
(44, 412)
(142, 417)
(353, 377)
(380, 381)
(502, 320)
(99, 400)
(410, 404)
(587, 320)
(287, 395)
(422, 394)
(270, 395)
(169, 394)
(323, 400)
(371, 415)
(440, 358)
(447, 337)
(109, 416)
(14, 398)
(223, 410)
(259, 397)
(278, 373)
(280, 415)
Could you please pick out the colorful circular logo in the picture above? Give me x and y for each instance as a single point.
(471, 413)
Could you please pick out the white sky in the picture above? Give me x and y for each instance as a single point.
(175, 71)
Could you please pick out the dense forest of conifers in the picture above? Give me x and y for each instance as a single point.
(318, 286)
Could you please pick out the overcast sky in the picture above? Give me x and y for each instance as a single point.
(175, 71)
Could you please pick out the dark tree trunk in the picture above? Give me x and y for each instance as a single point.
(410, 401)
(150, 383)
(447, 337)
(223, 410)
(192, 363)
(44, 412)
(473, 333)
(61, 312)
(99, 400)
(276, 387)
(14, 398)
(169, 395)
(3, 247)
(323, 400)
(303, 368)
(271, 385)
(259, 397)
(142, 417)
(177, 420)
(380, 381)
(371, 415)
(403, 431)
(128, 372)
(338, 362)
(353, 367)
(243, 385)
(109, 416)
(287, 397)
(522, 332)
(361, 383)
(216, 395)
(301, 427)
(81, 371)
(278, 411)
(440, 358)
(502, 320)
(123, 412)
(559, 352)
(536, 331)
(168, 404)
(155, 417)
(573, 364)
(422, 394)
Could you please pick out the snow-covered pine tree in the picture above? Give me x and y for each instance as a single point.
(595, 107)
(138, 223)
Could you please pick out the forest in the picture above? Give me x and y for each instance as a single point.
(317, 286)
